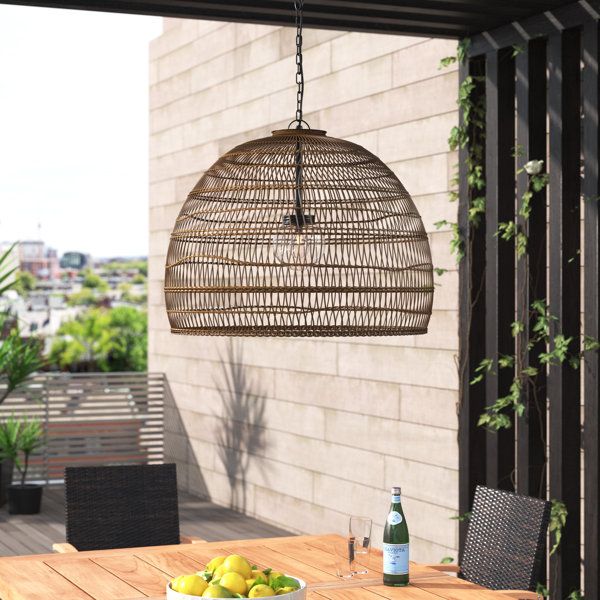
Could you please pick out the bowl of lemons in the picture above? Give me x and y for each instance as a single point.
(235, 577)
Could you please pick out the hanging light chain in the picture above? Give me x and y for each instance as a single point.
(298, 6)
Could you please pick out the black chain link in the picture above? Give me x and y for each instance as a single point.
(298, 6)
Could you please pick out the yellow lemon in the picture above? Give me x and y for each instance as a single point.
(175, 582)
(250, 583)
(256, 573)
(234, 582)
(285, 590)
(261, 591)
(218, 572)
(193, 585)
(237, 564)
(274, 575)
(217, 561)
(217, 591)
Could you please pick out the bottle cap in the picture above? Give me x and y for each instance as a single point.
(396, 491)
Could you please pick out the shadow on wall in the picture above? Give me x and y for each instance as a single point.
(179, 450)
(242, 434)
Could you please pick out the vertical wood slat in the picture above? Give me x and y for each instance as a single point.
(531, 268)
(499, 276)
(471, 332)
(591, 193)
(564, 286)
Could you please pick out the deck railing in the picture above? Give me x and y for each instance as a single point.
(92, 419)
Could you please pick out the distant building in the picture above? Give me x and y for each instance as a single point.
(39, 260)
(75, 261)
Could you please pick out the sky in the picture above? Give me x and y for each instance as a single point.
(74, 129)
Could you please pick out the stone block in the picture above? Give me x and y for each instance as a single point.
(445, 296)
(343, 461)
(263, 472)
(354, 48)
(176, 448)
(246, 33)
(414, 366)
(162, 192)
(425, 175)
(212, 72)
(429, 406)
(310, 38)
(388, 108)
(429, 483)
(199, 50)
(351, 394)
(302, 419)
(297, 515)
(423, 137)
(422, 62)
(202, 454)
(358, 81)
(434, 208)
(422, 443)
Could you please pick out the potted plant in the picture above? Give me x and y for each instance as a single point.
(19, 438)
(19, 357)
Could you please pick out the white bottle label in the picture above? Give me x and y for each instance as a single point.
(395, 559)
(394, 518)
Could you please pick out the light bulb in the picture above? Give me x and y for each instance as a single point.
(296, 248)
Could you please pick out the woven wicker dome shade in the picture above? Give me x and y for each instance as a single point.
(244, 259)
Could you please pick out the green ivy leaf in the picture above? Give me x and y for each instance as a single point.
(516, 328)
(484, 367)
(590, 343)
(447, 61)
(558, 521)
(466, 516)
(530, 371)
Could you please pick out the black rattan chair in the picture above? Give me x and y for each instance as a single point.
(121, 507)
(504, 548)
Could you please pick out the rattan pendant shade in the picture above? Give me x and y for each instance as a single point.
(299, 234)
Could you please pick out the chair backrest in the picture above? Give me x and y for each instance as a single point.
(504, 548)
(121, 506)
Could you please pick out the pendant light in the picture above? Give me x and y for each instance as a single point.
(299, 234)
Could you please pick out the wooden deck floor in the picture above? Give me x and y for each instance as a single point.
(34, 534)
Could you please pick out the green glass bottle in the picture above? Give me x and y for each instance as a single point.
(395, 544)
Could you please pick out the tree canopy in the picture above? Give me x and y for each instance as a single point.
(102, 339)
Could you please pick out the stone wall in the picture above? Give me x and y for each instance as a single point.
(302, 432)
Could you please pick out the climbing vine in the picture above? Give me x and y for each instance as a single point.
(532, 330)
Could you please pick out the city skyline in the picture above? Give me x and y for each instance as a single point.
(74, 122)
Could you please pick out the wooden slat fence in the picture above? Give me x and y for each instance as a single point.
(93, 419)
(539, 82)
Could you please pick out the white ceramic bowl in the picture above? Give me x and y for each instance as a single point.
(297, 595)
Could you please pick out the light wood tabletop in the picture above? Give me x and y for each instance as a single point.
(142, 573)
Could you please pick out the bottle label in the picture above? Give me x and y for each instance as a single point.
(394, 518)
(396, 499)
(395, 559)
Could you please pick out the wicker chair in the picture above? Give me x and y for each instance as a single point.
(121, 507)
(504, 548)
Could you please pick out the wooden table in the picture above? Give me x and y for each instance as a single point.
(136, 573)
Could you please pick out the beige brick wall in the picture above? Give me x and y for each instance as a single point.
(330, 424)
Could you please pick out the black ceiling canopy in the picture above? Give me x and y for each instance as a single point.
(436, 18)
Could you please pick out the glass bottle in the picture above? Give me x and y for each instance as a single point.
(395, 544)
